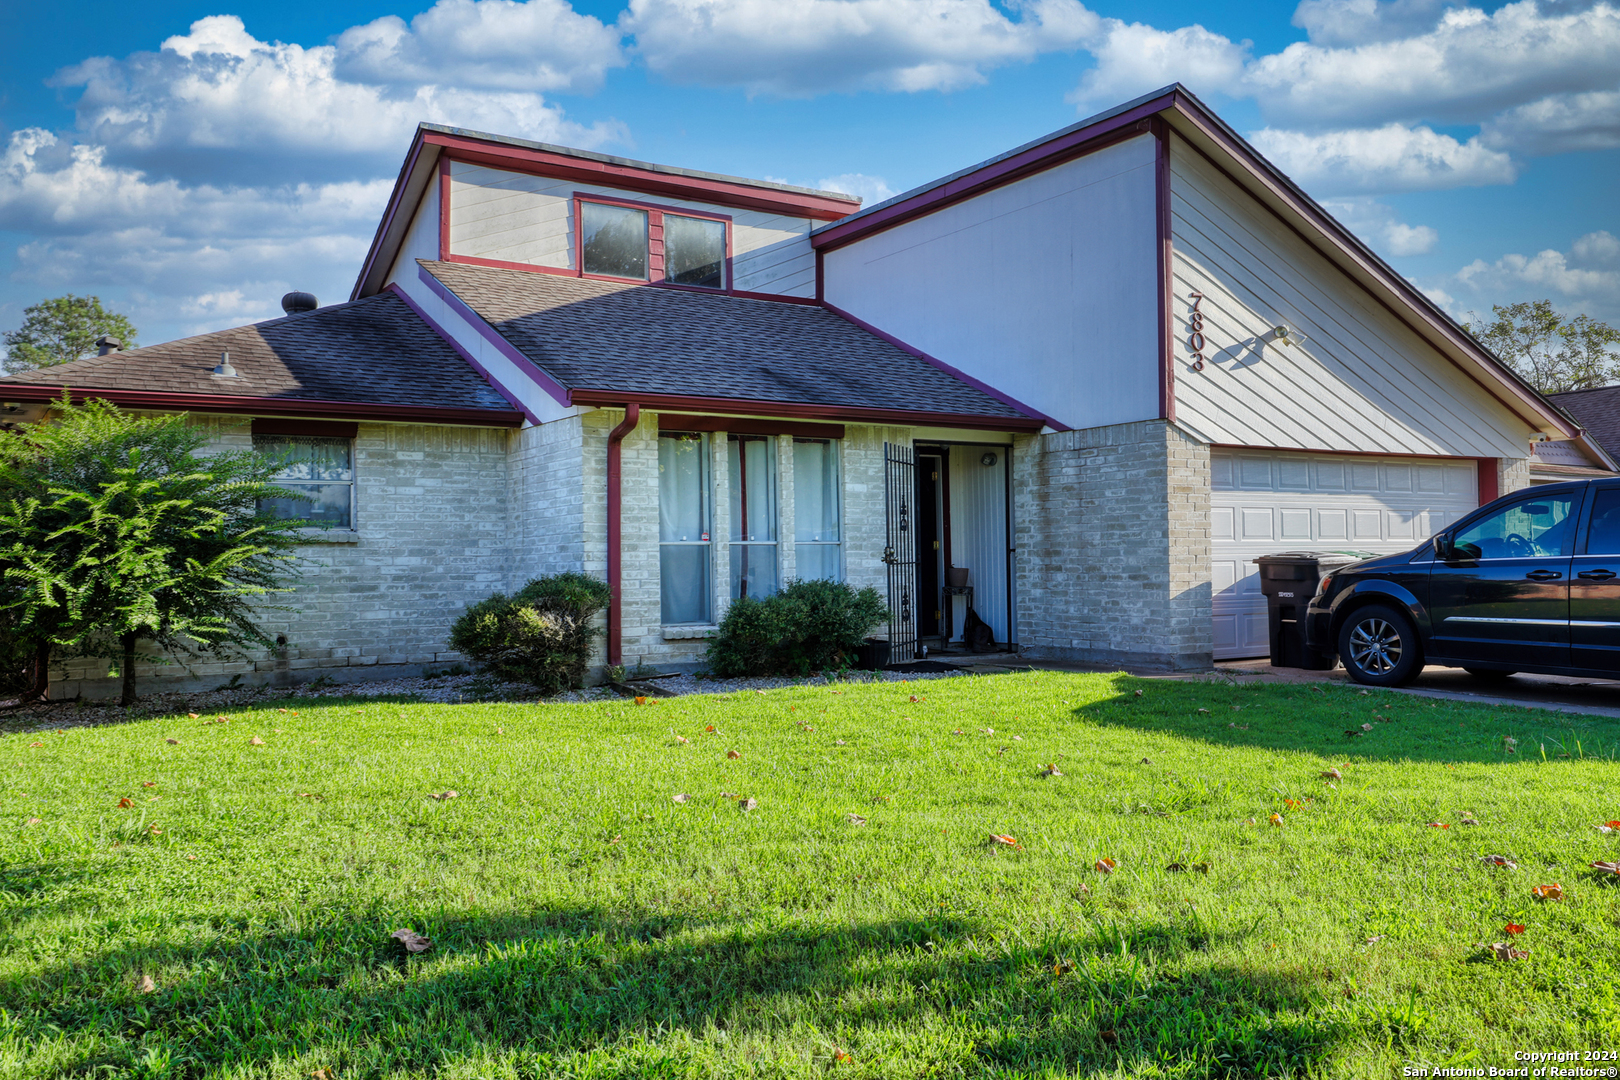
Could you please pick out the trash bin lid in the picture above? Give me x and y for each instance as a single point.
(1319, 558)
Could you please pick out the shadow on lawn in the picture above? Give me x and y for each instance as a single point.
(560, 992)
(1329, 723)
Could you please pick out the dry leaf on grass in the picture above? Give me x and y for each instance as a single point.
(172, 742)
(1002, 840)
(194, 716)
(148, 783)
(914, 697)
(958, 731)
(1554, 891)
(1333, 774)
(1051, 770)
(1204, 711)
(146, 985)
(1276, 819)
(1468, 819)
(124, 804)
(841, 1055)
(1366, 727)
(1105, 865)
(1513, 928)
(443, 795)
(1501, 950)
(1439, 825)
(34, 744)
(1144, 761)
(1375, 938)
(1137, 693)
(1499, 860)
(682, 740)
(749, 804)
(255, 741)
(412, 941)
(323, 1074)
(840, 742)
(1608, 827)
(856, 819)
(32, 821)
(641, 701)
(681, 798)
(733, 755)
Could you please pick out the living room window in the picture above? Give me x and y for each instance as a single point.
(684, 556)
(315, 466)
(817, 528)
(753, 515)
(638, 242)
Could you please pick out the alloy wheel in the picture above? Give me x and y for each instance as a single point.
(1375, 646)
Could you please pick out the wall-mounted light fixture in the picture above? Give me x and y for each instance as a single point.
(1287, 335)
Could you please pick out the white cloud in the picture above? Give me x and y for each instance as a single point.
(1586, 278)
(870, 189)
(1356, 22)
(1134, 59)
(1389, 158)
(803, 47)
(280, 109)
(1469, 66)
(1557, 124)
(1378, 226)
(500, 44)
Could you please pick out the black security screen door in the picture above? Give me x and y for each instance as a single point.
(900, 482)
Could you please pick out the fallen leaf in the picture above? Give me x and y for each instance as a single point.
(1104, 865)
(1018, 738)
(1608, 827)
(146, 985)
(749, 804)
(1333, 774)
(711, 728)
(1003, 840)
(1554, 891)
(172, 742)
(1439, 825)
(1108, 1035)
(987, 731)
(1607, 867)
(34, 744)
(222, 720)
(32, 821)
(1176, 868)
(1204, 711)
(856, 819)
(255, 741)
(155, 831)
(412, 941)
(1138, 693)
(193, 857)
(759, 691)
(681, 798)
(1051, 770)
(840, 742)
(914, 697)
(641, 701)
(1468, 819)
(443, 795)
(1501, 950)
(615, 840)
(124, 804)
(1364, 693)
(1276, 819)
(1144, 761)
(1513, 928)
(148, 783)
(281, 710)
(1248, 821)
(1499, 860)
(958, 731)
(682, 739)
(841, 1055)
(498, 731)
(194, 716)
(733, 754)
(1366, 727)
(727, 795)
(1375, 937)
(322, 1074)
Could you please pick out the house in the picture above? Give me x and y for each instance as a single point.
(1594, 453)
(1099, 374)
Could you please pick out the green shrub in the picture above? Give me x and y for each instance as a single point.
(808, 626)
(541, 634)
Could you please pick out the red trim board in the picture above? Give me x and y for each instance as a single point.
(801, 411)
(748, 426)
(269, 406)
(321, 429)
(1167, 334)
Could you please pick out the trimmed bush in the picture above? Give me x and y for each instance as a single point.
(808, 626)
(541, 634)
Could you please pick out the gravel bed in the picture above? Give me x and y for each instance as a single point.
(453, 689)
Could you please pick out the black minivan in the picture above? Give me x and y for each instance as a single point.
(1530, 582)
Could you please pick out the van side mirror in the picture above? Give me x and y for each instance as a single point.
(1442, 547)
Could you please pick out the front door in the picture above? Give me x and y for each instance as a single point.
(900, 553)
(1594, 588)
(1503, 595)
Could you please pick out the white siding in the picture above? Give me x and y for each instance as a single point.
(1362, 381)
(421, 240)
(522, 218)
(1044, 289)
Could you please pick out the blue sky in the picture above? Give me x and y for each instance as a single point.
(189, 162)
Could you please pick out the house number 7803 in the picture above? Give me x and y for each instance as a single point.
(1195, 340)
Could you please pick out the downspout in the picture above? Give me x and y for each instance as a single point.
(632, 417)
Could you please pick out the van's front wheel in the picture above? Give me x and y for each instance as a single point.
(1379, 647)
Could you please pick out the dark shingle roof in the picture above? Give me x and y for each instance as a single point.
(629, 338)
(374, 351)
(1598, 411)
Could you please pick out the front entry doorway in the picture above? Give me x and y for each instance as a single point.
(963, 545)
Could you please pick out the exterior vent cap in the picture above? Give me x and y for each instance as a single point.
(105, 345)
(296, 303)
(224, 370)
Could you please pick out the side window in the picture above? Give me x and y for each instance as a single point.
(1603, 535)
(1534, 527)
(694, 251)
(684, 563)
(320, 468)
(613, 240)
(753, 515)
(817, 535)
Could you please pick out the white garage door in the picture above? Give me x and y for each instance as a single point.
(1263, 503)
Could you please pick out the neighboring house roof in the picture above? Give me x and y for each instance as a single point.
(605, 342)
(370, 358)
(435, 143)
(1598, 412)
(1177, 108)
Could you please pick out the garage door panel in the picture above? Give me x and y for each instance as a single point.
(1262, 503)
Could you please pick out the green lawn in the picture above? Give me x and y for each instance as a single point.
(585, 924)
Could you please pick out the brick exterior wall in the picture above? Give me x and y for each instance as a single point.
(1112, 537)
(1512, 474)
(432, 536)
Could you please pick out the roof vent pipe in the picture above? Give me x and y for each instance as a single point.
(296, 303)
(224, 370)
(105, 345)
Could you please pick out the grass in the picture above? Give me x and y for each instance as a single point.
(586, 925)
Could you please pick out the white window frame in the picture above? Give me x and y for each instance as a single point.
(838, 494)
(352, 483)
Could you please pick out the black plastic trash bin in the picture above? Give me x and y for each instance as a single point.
(1289, 580)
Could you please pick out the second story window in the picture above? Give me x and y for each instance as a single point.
(645, 243)
(613, 240)
(321, 469)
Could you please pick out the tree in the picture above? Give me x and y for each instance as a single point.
(115, 529)
(1554, 354)
(65, 328)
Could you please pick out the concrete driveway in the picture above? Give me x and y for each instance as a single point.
(1596, 697)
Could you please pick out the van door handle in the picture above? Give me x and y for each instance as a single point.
(1595, 575)
(1544, 575)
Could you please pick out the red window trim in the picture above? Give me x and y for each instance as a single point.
(320, 429)
(655, 239)
(735, 425)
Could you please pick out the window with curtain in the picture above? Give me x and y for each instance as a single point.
(753, 515)
(817, 530)
(684, 561)
(320, 468)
